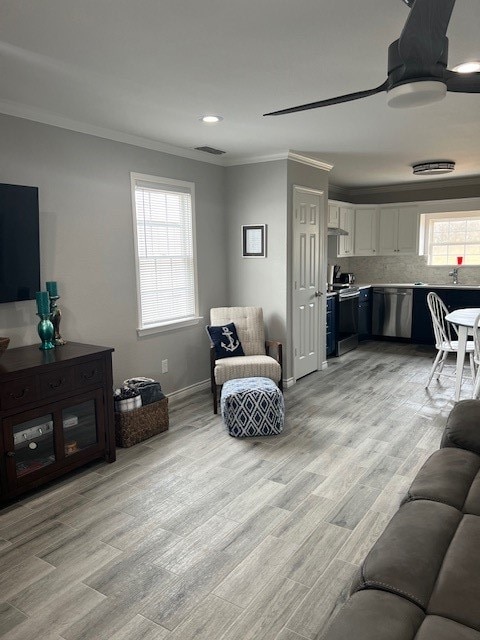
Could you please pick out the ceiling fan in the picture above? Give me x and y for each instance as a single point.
(417, 63)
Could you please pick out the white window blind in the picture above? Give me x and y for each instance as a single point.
(165, 252)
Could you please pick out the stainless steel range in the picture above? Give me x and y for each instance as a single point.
(347, 332)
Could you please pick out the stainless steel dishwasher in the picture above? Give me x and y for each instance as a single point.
(392, 312)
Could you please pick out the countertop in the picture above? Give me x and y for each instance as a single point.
(413, 285)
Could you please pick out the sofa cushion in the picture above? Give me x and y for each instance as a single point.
(472, 501)
(372, 614)
(436, 628)
(451, 476)
(457, 590)
(463, 426)
(375, 615)
(407, 557)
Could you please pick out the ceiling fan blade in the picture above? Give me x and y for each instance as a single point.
(423, 39)
(325, 103)
(462, 82)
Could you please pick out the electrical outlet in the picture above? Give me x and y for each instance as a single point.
(164, 366)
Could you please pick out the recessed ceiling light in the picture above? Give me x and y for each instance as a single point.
(433, 168)
(468, 67)
(209, 119)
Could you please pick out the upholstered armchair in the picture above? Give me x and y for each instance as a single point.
(262, 358)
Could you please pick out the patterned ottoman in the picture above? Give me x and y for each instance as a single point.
(252, 407)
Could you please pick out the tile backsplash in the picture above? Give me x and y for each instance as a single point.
(401, 269)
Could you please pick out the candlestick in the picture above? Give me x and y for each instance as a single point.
(55, 317)
(52, 288)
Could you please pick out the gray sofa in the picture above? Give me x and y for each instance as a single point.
(421, 579)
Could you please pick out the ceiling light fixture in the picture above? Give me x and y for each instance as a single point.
(210, 119)
(468, 67)
(433, 168)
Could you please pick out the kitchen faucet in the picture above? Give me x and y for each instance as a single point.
(454, 274)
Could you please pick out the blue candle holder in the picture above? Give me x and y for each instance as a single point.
(45, 331)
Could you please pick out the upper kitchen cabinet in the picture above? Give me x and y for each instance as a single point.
(333, 216)
(365, 231)
(347, 223)
(397, 230)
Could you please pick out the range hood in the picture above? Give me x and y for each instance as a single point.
(336, 231)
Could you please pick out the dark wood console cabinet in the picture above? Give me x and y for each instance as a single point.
(56, 413)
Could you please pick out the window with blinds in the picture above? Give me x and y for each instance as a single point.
(165, 251)
(453, 238)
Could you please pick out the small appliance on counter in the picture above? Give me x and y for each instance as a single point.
(347, 278)
(333, 274)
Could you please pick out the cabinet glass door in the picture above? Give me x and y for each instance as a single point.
(79, 427)
(33, 443)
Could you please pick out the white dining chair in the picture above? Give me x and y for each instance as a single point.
(446, 338)
(476, 355)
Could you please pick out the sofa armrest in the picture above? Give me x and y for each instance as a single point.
(463, 427)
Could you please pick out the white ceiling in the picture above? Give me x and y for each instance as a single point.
(150, 68)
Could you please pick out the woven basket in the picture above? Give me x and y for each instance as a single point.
(140, 424)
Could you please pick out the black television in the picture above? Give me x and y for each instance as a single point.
(19, 243)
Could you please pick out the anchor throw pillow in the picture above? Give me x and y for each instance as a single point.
(225, 340)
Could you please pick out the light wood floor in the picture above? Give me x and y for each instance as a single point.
(197, 535)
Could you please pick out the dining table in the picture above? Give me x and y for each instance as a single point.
(463, 319)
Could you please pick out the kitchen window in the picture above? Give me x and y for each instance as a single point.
(452, 238)
(164, 230)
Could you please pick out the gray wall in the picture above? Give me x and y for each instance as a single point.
(262, 193)
(257, 194)
(87, 245)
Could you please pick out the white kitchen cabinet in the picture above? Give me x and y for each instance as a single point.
(333, 216)
(365, 231)
(347, 222)
(397, 230)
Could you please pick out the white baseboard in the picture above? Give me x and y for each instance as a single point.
(181, 394)
(176, 396)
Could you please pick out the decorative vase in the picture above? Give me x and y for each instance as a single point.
(45, 331)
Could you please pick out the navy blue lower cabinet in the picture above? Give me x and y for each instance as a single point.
(365, 314)
(422, 328)
(331, 326)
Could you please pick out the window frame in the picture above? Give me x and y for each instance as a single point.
(429, 218)
(177, 323)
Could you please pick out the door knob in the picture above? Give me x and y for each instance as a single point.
(318, 294)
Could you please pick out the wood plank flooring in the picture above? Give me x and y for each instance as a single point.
(197, 535)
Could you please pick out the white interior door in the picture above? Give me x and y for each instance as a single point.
(306, 291)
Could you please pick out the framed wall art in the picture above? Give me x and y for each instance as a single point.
(254, 240)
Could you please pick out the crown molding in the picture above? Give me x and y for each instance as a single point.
(312, 162)
(46, 117)
(235, 162)
(284, 155)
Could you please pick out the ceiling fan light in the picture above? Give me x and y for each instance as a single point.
(467, 67)
(433, 168)
(416, 94)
